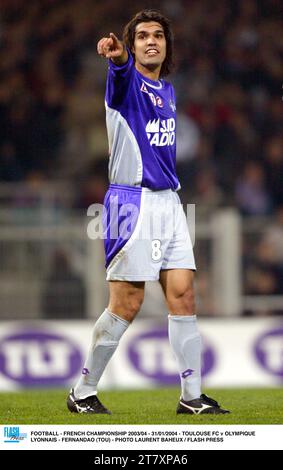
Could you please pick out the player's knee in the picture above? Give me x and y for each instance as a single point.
(134, 304)
(129, 305)
(183, 303)
(189, 300)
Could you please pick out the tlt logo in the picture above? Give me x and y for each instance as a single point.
(39, 358)
(151, 355)
(269, 352)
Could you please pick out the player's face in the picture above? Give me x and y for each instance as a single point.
(150, 45)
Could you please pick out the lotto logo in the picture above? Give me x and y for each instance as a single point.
(161, 132)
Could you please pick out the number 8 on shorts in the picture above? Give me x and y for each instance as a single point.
(156, 251)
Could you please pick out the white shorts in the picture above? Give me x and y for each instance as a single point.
(155, 239)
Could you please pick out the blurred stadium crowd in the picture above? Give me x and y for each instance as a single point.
(228, 81)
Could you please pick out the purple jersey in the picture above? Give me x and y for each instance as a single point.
(141, 127)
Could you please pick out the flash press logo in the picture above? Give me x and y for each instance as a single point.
(13, 434)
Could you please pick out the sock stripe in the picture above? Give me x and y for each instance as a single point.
(183, 318)
(117, 317)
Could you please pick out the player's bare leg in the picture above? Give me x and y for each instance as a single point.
(126, 298)
(185, 340)
(178, 288)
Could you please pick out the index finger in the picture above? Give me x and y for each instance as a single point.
(112, 35)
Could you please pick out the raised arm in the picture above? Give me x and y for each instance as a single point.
(113, 49)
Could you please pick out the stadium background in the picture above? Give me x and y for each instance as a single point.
(53, 166)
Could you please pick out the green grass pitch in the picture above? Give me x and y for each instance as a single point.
(157, 406)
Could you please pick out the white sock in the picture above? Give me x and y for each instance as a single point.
(107, 332)
(185, 341)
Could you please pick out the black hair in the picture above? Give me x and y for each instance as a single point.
(145, 16)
